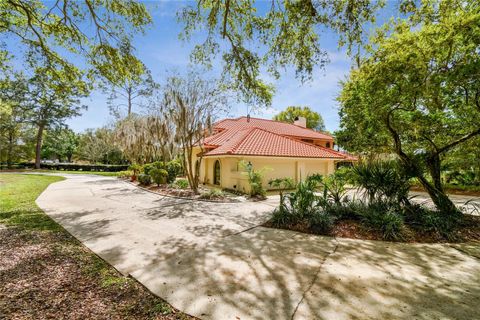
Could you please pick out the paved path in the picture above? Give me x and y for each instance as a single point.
(213, 261)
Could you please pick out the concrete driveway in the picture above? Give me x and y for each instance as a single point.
(213, 261)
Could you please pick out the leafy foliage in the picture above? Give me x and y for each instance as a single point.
(144, 179)
(61, 144)
(181, 183)
(314, 119)
(255, 179)
(416, 93)
(382, 181)
(288, 30)
(49, 30)
(159, 176)
(213, 194)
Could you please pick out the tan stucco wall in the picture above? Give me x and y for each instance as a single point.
(231, 176)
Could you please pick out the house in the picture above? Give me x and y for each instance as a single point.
(281, 149)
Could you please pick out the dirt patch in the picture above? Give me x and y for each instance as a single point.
(50, 275)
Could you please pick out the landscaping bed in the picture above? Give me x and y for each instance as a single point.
(353, 229)
(382, 209)
(205, 193)
(47, 274)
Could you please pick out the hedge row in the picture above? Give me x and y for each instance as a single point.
(71, 166)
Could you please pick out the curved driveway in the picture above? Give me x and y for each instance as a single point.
(213, 260)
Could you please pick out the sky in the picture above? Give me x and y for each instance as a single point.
(161, 50)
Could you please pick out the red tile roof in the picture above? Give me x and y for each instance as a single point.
(281, 128)
(259, 142)
(261, 137)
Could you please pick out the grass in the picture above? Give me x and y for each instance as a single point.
(17, 201)
(33, 243)
(98, 173)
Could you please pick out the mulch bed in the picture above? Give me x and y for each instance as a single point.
(468, 232)
(168, 191)
(50, 275)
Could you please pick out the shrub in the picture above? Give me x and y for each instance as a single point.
(281, 184)
(147, 168)
(159, 176)
(321, 221)
(282, 217)
(255, 180)
(334, 187)
(213, 194)
(384, 218)
(174, 168)
(382, 180)
(429, 220)
(144, 179)
(78, 167)
(135, 168)
(345, 210)
(125, 174)
(182, 183)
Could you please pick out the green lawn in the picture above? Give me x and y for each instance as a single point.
(39, 254)
(17, 201)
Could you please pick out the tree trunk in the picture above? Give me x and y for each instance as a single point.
(433, 165)
(10, 149)
(129, 91)
(439, 198)
(38, 147)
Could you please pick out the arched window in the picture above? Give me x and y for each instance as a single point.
(216, 173)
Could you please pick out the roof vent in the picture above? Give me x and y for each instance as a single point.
(300, 121)
(248, 117)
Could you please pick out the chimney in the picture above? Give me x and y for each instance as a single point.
(300, 121)
(248, 117)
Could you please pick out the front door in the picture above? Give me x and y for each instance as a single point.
(216, 173)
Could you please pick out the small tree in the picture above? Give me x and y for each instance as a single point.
(128, 83)
(60, 143)
(190, 103)
(314, 119)
(52, 101)
(159, 176)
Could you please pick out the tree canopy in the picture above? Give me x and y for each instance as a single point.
(314, 119)
(286, 34)
(417, 94)
(91, 29)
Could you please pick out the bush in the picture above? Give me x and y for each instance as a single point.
(182, 183)
(174, 168)
(213, 194)
(159, 176)
(382, 180)
(321, 221)
(144, 179)
(147, 168)
(429, 220)
(83, 167)
(254, 179)
(383, 217)
(334, 187)
(126, 174)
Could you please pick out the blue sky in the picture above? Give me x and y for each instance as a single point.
(162, 51)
